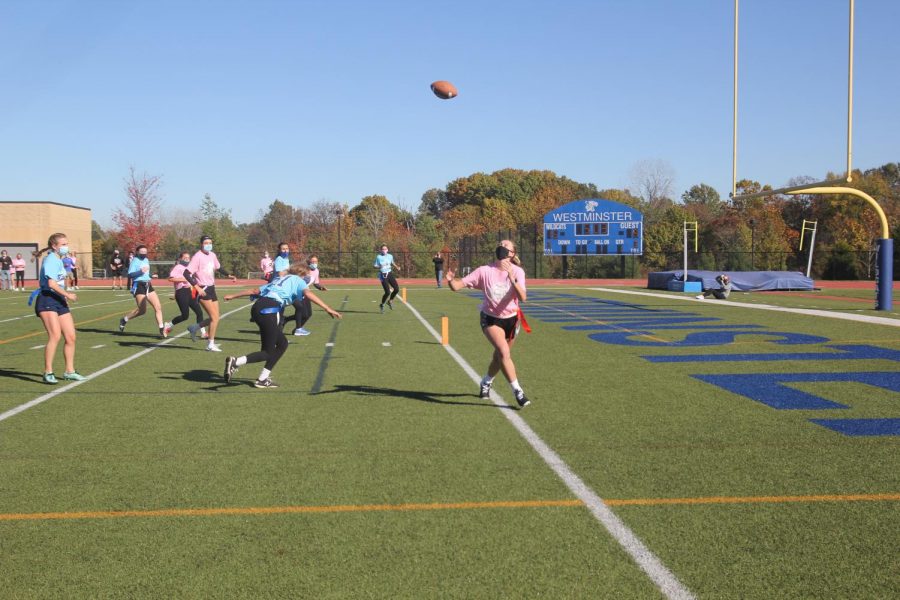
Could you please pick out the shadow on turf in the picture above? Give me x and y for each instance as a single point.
(200, 376)
(19, 375)
(368, 390)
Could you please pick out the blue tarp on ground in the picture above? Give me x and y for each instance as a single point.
(741, 281)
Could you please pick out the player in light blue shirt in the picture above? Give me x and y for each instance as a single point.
(266, 312)
(282, 260)
(52, 308)
(143, 292)
(385, 264)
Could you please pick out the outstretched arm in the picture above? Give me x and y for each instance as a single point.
(315, 300)
(243, 294)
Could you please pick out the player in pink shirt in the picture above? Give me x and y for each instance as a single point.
(203, 268)
(185, 296)
(267, 265)
(503, 284)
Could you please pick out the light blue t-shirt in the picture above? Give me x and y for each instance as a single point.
(384, 262)
(284, 289)
(134, 269)
(282, 264)
(52, 268)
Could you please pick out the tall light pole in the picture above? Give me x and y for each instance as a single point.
(752, 245)
(340, 216)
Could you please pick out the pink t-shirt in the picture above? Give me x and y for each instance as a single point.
(313, 277)
(266, 264)
(204, 267)
(18, 264)
(500, 299)
(178, 271)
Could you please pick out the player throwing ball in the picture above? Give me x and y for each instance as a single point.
(503, 284)
(267, 313)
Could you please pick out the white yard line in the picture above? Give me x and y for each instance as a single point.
(665, 580)
(76, 307)
(799, 311)
(61, 390)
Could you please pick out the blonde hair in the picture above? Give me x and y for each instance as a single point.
(298, 269)
(51, 241)
(515, 259)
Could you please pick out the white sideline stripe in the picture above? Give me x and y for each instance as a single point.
(23, 407)
(798, 311)
(97, 346)
(385, 344)
(37, 347)
(70, 308)
(664, 579)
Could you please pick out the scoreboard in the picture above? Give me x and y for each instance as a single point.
(593, 227)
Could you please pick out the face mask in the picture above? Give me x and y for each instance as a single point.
(184, 263)
(284, 254)
(63, 250)
(384, 252)
(313, 266)
(502, 252)
(142, 256)
(207, 247)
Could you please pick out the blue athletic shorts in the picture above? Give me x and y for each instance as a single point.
(50, 301)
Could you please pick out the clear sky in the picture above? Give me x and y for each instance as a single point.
(303, 101)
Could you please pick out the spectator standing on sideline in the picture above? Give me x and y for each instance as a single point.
(115, 268)
(19, 267)
(438, 267)
(5, 271)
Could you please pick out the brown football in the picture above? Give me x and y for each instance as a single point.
(444, 90)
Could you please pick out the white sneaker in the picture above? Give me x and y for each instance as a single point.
(167, 329)
(213, 347)
(700, 297)
(301, 331)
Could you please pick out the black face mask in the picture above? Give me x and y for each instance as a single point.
(142, 256)
(502, 252)
(184, 262)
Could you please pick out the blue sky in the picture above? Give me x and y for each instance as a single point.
(303, 101)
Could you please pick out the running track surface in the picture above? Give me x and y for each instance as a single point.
(161, 283)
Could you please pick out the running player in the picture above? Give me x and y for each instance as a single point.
(203, 267)
(185, 295)
(142, 290)
(303, 313)
(267, 311)
(384, 262)
(503, 284)
(53, 310)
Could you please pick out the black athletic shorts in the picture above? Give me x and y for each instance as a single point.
(48, 301)
(508, 325)
(210, 293)
(142, 288)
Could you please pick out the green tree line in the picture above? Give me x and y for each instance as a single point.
(762, 233)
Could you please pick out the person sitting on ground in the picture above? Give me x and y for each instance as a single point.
(720, 293)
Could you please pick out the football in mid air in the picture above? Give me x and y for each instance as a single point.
(444, 90)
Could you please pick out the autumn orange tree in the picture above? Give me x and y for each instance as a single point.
(138, 219)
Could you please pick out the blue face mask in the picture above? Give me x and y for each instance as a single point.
(284, 254)
(207, 247)
(142, 256)
(63, 250)
(313, 266)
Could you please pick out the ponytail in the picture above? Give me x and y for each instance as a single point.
(516, 260)
(298, 269)
(51, 241)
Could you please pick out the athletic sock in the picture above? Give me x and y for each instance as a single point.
(125, 318)
(515, 385)
(487, 380)
(264, 374)
(240, 361)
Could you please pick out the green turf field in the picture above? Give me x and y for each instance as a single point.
(375, 471)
